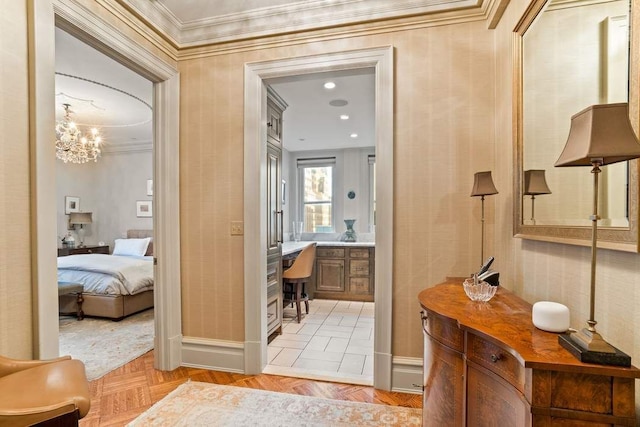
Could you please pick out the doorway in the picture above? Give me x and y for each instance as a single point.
(328, 158)
(44, 16)
(381, 59)
(95, 92)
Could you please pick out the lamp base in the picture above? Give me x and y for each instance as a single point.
(618, 358)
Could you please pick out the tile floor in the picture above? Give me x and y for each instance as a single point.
(333, 342)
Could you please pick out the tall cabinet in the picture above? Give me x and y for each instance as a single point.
(275, 108)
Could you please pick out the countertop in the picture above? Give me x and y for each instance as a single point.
(291, 247)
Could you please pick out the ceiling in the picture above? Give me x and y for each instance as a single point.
(193, 10)
(310, 122)
(102, 93)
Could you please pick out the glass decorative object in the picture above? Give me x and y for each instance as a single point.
(478, 290)
(350, 234)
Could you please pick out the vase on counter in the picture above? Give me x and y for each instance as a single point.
(350, 234)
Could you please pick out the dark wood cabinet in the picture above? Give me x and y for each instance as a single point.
(344, 273)
(85, 250)
(492, 402)
(485, 364)
(443, 385)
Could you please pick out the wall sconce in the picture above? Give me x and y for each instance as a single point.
(599, 135)
(534, 185)
(483, 186)
(80, 218)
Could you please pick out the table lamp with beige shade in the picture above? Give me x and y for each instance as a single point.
(599, 135)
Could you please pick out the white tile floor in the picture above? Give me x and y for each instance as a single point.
(333, 342)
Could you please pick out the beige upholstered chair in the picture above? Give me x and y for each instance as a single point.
(53, 392)
(294, 279)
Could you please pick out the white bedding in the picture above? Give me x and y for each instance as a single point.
(107, 274)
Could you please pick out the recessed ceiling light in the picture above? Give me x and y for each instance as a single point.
(329, 85)
(338, 102)
(344, 117)
(354, 135)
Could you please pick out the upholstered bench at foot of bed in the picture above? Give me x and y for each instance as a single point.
(114, 307)
(67, 288)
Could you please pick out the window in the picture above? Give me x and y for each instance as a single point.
(316, 178)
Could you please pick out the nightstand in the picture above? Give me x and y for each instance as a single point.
(85, 250)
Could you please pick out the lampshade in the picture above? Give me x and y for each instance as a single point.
(80, 218)
(483, 184)
(600, 132)
(535, 182)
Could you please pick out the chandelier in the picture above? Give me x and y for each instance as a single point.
(71, 145)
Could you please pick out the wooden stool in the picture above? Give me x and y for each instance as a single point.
(293, 292)
(65, 288)
(294, 278)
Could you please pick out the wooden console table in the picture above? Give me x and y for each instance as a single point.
(485, 364)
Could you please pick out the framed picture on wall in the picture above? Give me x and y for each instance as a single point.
(143, 208)
(71, 204)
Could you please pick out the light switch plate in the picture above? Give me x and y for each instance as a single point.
(237, 228)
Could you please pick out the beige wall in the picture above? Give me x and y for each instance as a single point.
(444, 98)
(15, 261)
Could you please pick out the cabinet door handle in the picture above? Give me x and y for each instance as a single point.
(495, 357)
(280, 238)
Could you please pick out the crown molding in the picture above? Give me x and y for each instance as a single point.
(482, 13)
(77, 19)
(156, 16)
(127, 147)
(302, 16)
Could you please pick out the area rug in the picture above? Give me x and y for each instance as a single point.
(205, 404)
(104, 345)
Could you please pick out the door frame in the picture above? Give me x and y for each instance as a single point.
(94, 30)
(255, 131)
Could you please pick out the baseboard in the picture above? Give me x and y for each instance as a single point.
(407, 375)
(171, 358)
(228, 356)
(218, 355)
(175, 351)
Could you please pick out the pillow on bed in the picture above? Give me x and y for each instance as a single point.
(131, 247)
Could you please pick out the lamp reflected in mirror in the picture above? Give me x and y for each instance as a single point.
(535, 184)
(599, 135)
(483, 186)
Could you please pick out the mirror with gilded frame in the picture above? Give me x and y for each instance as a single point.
(544, 101)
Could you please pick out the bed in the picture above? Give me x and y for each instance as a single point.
(115, 286)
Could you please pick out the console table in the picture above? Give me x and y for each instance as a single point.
(485, 364)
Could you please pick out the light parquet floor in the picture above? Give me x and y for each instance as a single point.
(123, 394)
